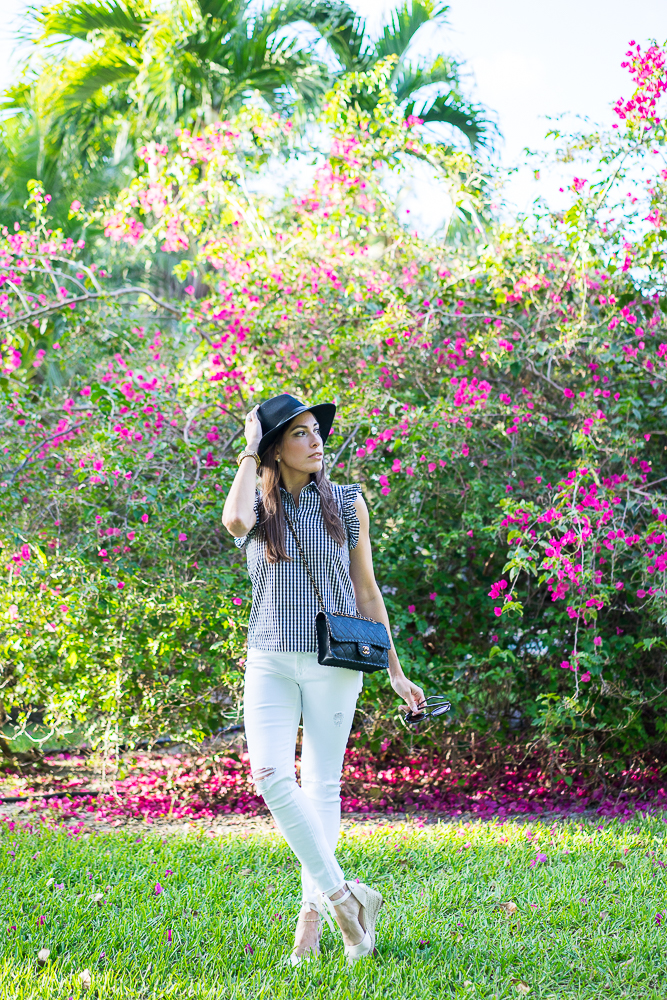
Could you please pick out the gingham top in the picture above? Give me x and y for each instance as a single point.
(284, 603)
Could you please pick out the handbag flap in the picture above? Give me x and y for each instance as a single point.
(345, 628)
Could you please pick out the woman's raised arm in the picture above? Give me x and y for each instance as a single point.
(238, 515)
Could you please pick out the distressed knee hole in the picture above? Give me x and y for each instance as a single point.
(338, 719)
(263, 773)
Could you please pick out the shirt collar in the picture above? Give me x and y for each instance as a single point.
(312, 485)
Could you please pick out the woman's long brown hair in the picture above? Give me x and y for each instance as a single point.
(271, 518)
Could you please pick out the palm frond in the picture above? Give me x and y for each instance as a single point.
(32, 145)
(343, 29)
(118, 64)
(227, 11)
(79, 20)
(410, 77)
(449, 109)
(15, 99)
(404, 25)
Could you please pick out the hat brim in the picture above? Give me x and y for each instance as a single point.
(325, 413)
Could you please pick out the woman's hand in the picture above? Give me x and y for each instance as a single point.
(412, 695)
(253, 429)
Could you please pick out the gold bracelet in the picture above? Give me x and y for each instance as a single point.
(248, 454)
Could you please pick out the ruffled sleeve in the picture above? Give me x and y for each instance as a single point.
(350, 518)
(243, 541)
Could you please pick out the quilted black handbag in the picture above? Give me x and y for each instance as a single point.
(350, 641)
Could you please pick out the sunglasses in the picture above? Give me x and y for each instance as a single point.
(432, 707)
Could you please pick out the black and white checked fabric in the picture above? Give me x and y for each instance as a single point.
(284, 604)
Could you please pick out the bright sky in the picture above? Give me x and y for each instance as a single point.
(528, 59)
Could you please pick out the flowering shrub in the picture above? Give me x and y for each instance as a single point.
(500, 396)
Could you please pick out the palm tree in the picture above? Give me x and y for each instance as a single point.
(199, 58)
(432, 92)
(75, 119)
(179, 61)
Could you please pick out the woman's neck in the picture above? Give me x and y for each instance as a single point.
(294, 481)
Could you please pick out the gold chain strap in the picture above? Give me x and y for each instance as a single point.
(303, 557)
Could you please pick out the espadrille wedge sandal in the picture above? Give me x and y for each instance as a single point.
(370, 901)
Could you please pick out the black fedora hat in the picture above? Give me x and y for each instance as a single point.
(276, 413)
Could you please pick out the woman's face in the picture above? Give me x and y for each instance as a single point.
(301, 448)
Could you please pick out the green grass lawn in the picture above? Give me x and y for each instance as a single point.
(584, 924)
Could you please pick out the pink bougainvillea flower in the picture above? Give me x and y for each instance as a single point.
(411, 608)
(85, 391)
(585, 677)
(144, 518)
(182, 537)
(41, 920)
(169, 872)
(237, 601)
(169, 936)
(249, 950)
(120, 585)
(565, 665)
(597, 641)
(432, 596)
(158, 889)
(131, 536)
(538, 859)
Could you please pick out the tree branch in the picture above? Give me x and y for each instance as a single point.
(67, 430)
(88, 297)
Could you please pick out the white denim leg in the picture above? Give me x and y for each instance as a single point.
(276, 687)
(328, 705)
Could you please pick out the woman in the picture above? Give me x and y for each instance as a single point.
(283, 680)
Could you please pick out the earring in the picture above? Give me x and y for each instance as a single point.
(277, 459)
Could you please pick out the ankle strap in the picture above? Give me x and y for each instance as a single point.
(341, 899)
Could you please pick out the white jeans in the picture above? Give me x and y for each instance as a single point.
(280, 689)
